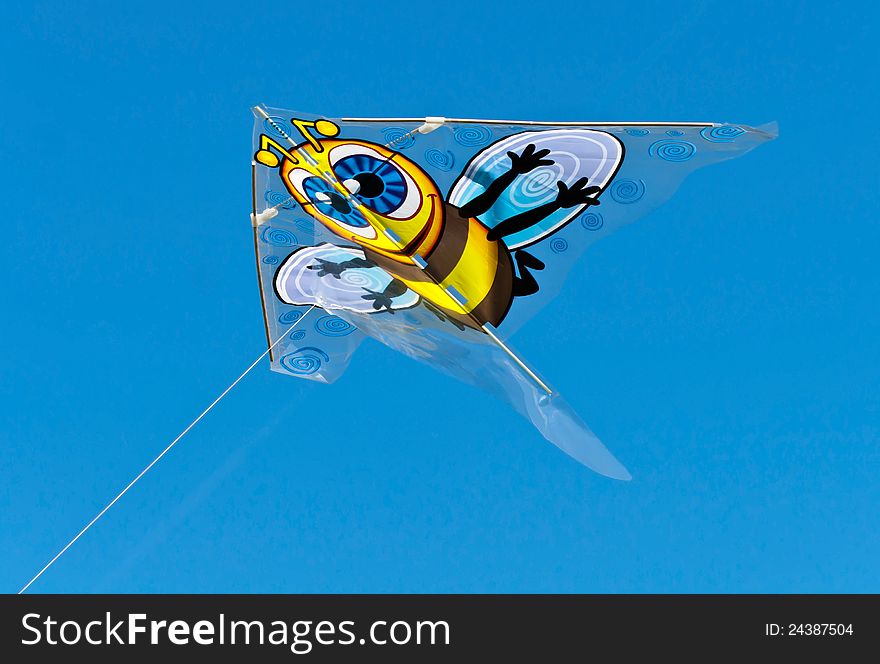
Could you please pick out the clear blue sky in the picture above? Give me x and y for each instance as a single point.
(725, 347)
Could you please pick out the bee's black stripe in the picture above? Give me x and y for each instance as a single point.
(494, 307)
(450, 245)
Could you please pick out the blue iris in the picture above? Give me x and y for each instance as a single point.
(336, 207)
(382, 187)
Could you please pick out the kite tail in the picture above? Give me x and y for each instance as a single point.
(561, 425)
(472, 357)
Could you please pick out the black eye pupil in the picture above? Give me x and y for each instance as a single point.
(371, 185)
(339, 203)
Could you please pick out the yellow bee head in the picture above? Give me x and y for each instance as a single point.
(363, 192)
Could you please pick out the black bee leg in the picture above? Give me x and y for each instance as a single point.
(382, 301)
(520, 164)
(325, 268)
(525, 283)
(568, 197)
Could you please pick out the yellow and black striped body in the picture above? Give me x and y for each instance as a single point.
(467, 276)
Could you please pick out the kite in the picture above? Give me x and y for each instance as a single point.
(441, 237)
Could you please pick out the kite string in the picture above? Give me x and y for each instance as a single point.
(165, 451)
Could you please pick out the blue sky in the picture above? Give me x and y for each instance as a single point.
(725, 347)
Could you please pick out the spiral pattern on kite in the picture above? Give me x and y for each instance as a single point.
(627, 191)
(537, 187)
(440, 159)
(298, 335)
(279, 237)
(280, 198)
(472, 136)
(558, 245)
(271, 260)
(672, 150)
(277, 126)
(397, 137)
(637, 132)
(362, 279)
(290, 317)
(333, 326)
(592, 221)
(674, 132)
(304, 361)
(725, 134)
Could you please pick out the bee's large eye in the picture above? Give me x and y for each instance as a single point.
(331, 203)
(382, 186)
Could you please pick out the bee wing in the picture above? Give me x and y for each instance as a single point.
(637, 167)
(308, 276)
(320, 348)
(576, 153)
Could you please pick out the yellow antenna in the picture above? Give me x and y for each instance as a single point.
(268, 158)
(323, 127)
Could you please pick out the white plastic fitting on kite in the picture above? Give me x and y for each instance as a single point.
(431, 123)
(264, 216)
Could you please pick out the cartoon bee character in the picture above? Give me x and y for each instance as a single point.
(387, 205)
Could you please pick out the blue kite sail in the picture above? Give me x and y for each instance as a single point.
(440, 237)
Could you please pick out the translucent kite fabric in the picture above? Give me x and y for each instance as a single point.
(439, 238)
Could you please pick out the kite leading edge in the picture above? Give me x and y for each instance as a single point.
(440, 237)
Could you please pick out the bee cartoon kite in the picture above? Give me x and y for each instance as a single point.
(440, 237)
